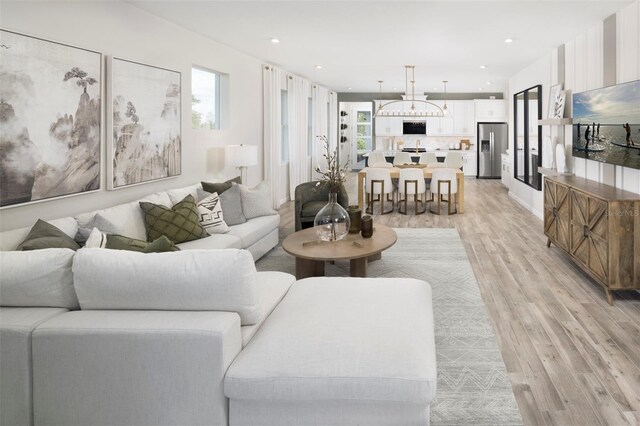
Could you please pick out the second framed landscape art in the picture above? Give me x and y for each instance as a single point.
(144, 117)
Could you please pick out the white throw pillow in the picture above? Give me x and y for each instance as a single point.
(124, 219)
(211, 217)
(96, 239)
(256, 202)
(37, 278)
(190, 280)
(177, 195)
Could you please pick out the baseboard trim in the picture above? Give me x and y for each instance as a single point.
(526, 206)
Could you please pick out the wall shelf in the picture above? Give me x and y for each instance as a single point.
(555, 121)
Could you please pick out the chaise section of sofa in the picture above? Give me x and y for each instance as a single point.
(339, 351)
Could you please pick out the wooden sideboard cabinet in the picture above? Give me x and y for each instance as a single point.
(598, 226)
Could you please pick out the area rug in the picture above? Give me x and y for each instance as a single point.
(473, 387)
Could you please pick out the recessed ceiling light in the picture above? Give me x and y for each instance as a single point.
(488, 83)
(480, 88)
(318, 67)
(275, 40)
(395, 88)
(348, 88)
(508, 40)
(483, 67)
(435, 88)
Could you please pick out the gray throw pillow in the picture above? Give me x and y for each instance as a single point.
(44, 235)
(232, 206)
(256, 202)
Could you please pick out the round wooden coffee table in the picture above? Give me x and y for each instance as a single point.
(311, 253)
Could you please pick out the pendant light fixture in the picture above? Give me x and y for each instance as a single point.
(445, 111)
(431, 109)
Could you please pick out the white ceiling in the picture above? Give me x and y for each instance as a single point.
(360, 42)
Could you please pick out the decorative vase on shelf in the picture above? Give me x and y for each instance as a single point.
(332, 221)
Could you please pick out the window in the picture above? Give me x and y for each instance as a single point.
(205, 99)
(284, 126)
(310, 128)
(363, 131)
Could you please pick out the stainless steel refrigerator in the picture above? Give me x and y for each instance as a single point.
(492, 142)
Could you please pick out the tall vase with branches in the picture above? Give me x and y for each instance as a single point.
(332, 221)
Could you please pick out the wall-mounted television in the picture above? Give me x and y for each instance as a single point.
(606, 124)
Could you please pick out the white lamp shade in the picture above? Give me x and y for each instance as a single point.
(241, 155)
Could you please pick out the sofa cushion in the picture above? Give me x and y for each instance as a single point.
(256, 202)
(367, 339)
(9, 240)
(190, 280)
(125, 368)
(180, 223)
(44, 235)
(178, 194)
(211, 215)
(218, 241)
(16, 326)
(232, 206)
(123, 219)
(272, 287)
(255, 229)
(37, 278)
(220, 187)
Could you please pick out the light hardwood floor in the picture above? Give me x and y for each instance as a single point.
(572, 359)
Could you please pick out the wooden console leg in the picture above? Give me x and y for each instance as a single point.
(306, 268)
(548, 242)
(609, 296)
(358, 267)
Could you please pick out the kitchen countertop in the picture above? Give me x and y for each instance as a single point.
(442, 152)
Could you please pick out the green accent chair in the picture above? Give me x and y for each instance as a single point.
(310, 198)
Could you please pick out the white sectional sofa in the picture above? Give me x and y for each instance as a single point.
(258, 235)
(199, 337)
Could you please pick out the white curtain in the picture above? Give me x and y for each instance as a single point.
(298, 92)
(271, 82)
(320, 101)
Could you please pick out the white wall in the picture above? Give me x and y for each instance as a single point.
(584, 71)
(122, 30)
(537, 73)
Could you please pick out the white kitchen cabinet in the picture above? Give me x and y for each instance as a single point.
(463, 117)
(440, 126)
(389, 126)
(506, 170)
(490, 110)
(470, 163)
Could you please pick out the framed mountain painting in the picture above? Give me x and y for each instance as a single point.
(144, 143)
(50, 119)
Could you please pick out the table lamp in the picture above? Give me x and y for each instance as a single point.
(241, 156)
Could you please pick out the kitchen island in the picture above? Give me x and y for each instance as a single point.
(395, 174)
(469, 158)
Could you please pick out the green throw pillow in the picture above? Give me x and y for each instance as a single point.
(44, 235)
(118, 242)
(220, 187)
(180, 224)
